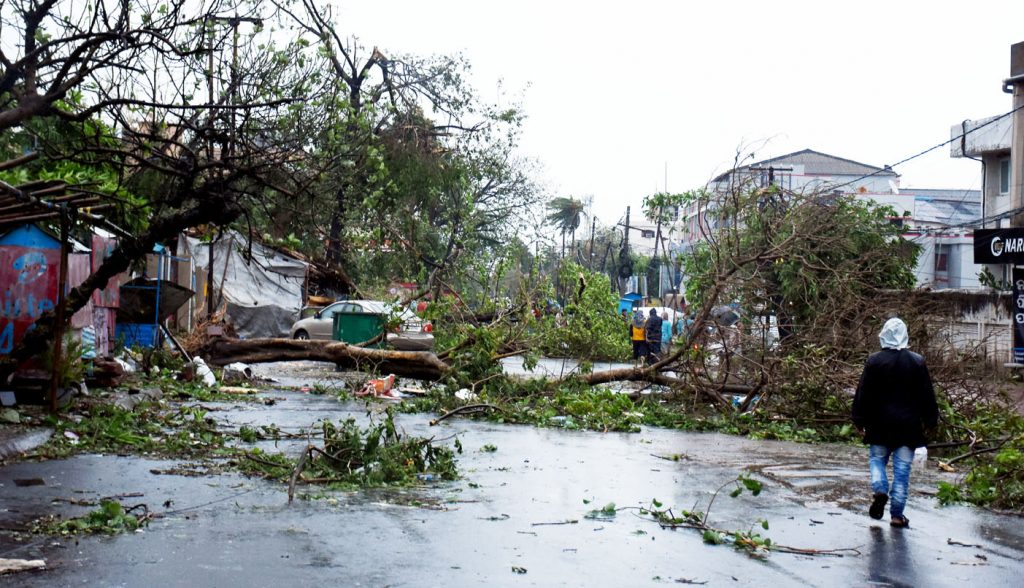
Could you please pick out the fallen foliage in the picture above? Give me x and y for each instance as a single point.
(110, 518)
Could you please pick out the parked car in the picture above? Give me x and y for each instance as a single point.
(413, 333)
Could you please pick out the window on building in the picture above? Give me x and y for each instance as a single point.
(1004, 176)
(647, 234)
(942, 258)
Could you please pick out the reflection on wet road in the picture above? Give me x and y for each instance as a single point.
(510, 512)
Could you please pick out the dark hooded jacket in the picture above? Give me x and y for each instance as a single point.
(654, 328)
(895, 401)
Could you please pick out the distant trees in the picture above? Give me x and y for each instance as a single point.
(107, 97)
(415, 176)
(182, 114)
(814, 270)
(565, 214)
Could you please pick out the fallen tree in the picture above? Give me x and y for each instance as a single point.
(421, 365)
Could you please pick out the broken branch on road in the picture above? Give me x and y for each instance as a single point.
(469, 408)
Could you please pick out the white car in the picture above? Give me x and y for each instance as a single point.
(414, 334)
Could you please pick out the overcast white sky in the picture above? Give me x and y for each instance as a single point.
(615, 91)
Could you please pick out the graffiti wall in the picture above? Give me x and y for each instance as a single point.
(29, 278)
(108, 297)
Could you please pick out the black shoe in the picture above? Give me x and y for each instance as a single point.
(900, 522)
(878, 506)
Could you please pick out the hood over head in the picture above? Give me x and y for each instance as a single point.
(638, 319)
(894, 335)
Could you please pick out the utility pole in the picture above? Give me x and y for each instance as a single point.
(228, 147)
(209, 154)
(593, 227)
(624, 258)
(1015, 85)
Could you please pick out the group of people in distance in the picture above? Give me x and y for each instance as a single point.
(651, 335)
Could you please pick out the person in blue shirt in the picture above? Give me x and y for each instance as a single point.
(666, 332)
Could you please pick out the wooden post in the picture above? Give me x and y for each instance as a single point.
(58, 332)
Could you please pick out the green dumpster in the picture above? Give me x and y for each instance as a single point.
(356, 327)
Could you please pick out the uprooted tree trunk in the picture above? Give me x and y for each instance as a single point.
(422, 365)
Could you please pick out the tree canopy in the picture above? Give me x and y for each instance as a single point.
(262, 114)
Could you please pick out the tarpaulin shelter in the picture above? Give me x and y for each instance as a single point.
(260, 288)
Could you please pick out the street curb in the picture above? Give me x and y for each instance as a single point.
(24, 441)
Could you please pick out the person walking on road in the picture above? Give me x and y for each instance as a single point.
(666, 332)
(893, 405)
(653, 336)
(638, 336)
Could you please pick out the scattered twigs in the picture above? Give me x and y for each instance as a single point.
(469, 408)
(748, 540)
(693, 520)
(838, 552)
(565, 522)
(973, 453)
(472, 387)
(321, 480)
(946, 444)
(146, 515)
(950, 541)
(298, 471)
(677, 457)
(260, 460)
(712, 502)
(380, 337)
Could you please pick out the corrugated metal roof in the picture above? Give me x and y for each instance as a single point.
(944, 194)
(945, 211)
(817, 163)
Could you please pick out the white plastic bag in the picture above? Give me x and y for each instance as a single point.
(920, 456)
(204, 373)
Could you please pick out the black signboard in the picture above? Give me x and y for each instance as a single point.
(999, 245)
(1018, 315)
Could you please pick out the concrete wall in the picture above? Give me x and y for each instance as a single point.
(995, 203)
(983, 136)
(985, 330)
(961, 271)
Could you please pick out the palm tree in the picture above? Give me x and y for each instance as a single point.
(566, 214)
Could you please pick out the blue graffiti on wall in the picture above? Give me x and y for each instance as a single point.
(30, 267)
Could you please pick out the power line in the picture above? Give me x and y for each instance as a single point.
(930, 149)
(972, 223)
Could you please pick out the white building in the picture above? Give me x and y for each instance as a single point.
(946, 258)
(811, 171)
(940, 225)
(989, 140)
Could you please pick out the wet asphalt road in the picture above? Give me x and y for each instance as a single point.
(228, 530)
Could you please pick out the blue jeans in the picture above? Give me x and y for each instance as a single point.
(878, 459)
